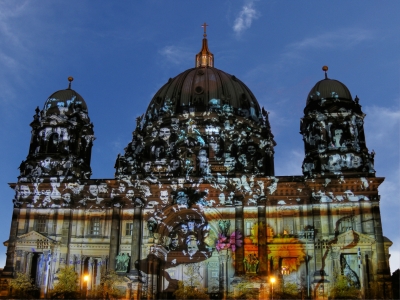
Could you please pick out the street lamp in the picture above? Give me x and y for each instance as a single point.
(272, 282)
(86, 279)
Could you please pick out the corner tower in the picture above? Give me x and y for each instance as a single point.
(62, 139)
(333, 133)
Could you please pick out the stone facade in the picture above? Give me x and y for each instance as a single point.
(194, 195)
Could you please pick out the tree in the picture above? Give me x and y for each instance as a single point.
(191, 288)
(108, 285)
(344, 289)
(22, 286)
(186, 291)
(290, 291)
(246, 288)
(67, 285)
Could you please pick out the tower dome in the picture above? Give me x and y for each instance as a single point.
(62, 139)
(329, 89)
(333, 132)
(203, 122)
(64, 102)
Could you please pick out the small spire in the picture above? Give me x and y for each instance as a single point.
(325, 69)
(70, 79)
(204, 58)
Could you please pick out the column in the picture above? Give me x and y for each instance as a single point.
(223, 258)
(136, 239)
(239, 253)
(9, 267)
(91, 273)
(82, 270)
(114, 237)
(262, 242)
(28, 263)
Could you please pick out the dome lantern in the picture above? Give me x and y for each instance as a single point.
(204, 58)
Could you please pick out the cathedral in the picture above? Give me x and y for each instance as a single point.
(195, 200)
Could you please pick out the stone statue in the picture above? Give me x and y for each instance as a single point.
(151, 225)
(224, 226)
(122, 262)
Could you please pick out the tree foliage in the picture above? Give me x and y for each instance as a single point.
(290, 290)
(247, 288)
(67, 285)
(191, 288)
(186, 291)
(108, 288)
(344, 289)
(22, 286)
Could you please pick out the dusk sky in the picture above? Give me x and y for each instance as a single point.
(121, 52)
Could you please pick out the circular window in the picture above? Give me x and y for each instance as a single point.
(198, 90)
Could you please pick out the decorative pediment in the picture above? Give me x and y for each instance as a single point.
(35, 239)
(352, 238)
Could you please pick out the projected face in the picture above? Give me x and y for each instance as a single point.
(158, 152)
(174, 185)
(147, 166)
(221, 198)
(164, 197)
(192, 246)
(229, 162)
(357, 161)
(154, 133)
(93, 190)
(24, 191)
(183, 229)
(182, 199)
(175, 123)
(337, 137)
(46, 163)
(66, 197)
(174, 241)
(251, 150)
(165, 133)
(130, 194)
(191, 225)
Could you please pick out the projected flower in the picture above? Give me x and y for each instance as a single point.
(234, 241)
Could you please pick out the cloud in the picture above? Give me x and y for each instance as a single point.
(377, 135)
(176, 54)
(245, 18)
(342, 37)
(339, 39)
(291, 164)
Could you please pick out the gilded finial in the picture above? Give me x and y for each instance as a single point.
(325, 69)
(204, 58)
(70, 79)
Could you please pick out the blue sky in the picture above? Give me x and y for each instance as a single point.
(121, 52)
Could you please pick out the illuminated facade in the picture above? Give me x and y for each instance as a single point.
(195, 196)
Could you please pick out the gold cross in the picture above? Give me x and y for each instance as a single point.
(205, 28)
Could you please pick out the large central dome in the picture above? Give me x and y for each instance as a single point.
(205, 89)
(202, 123)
